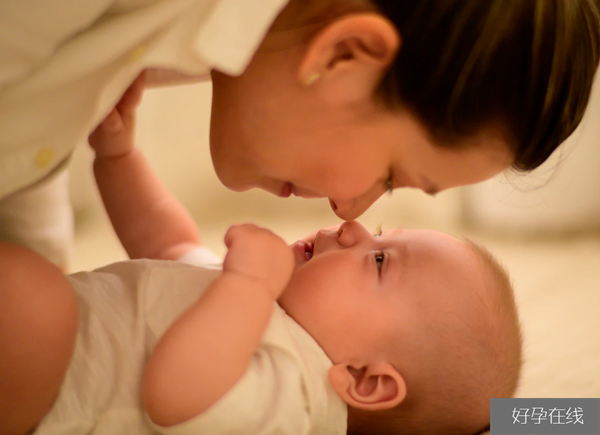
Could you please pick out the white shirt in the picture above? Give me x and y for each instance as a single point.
(124, 310)
(64, 64)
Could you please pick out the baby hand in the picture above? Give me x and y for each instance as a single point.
(114, 136)
(260, 255)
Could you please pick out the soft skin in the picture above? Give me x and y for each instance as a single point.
(365, 300)
(384, 282)
(335, 141)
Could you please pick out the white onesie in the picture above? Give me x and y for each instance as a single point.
(126, 307)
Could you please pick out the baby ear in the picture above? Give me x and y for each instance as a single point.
(374, 387)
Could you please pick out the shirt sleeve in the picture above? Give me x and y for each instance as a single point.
(200, 256)
(268, 400)
(32, 30)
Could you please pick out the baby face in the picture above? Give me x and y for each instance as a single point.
(354, 292)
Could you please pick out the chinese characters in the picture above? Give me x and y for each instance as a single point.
(571, 415)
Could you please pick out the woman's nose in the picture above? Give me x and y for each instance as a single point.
(350, 209)
(351, 233)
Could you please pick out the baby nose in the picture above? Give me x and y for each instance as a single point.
(351, 233)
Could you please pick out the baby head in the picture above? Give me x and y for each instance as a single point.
(421, 327)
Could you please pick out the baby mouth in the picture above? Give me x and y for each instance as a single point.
(303, 251)
(308, 251)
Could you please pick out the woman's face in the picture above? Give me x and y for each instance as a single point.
(351, 157)
(331, 139)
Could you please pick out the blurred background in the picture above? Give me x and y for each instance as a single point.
(544, 227)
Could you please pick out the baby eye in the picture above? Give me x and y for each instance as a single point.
(379, 257)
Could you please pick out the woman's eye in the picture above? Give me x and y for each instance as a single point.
(389, 184)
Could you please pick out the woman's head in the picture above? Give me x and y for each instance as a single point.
(467, 63)
(346, 98)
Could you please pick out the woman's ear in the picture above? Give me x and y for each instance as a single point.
(344, 62)
(375, 387)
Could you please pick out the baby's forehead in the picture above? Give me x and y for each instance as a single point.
(435, 259)
(426, 237)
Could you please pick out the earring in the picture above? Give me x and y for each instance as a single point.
(311, 79)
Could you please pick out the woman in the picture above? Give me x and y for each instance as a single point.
(344, 99)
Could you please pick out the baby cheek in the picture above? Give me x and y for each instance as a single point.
(299, 295)
(324, 285)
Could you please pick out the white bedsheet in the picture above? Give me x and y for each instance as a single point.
(558, 293)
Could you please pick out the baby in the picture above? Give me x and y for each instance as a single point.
(407, 332)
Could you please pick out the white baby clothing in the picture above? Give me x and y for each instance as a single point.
(124, 310)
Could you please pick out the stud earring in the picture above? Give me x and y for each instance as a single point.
(311, 79)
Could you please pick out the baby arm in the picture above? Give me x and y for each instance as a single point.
(209, 348)
(148, 220)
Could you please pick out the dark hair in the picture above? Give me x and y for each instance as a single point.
(526, 65)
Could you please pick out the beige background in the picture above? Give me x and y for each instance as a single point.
(546, 236)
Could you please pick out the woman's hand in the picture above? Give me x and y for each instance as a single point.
(114, 137)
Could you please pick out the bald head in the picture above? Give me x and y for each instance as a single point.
(460, 362)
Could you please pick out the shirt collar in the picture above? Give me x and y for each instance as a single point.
(233, 32)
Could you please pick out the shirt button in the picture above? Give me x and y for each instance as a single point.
(44, 157)
(137, 53)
